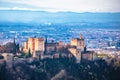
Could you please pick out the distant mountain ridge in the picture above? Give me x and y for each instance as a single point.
(21, 16)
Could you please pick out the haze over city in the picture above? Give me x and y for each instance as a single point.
(62, 5)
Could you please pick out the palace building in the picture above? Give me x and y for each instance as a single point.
(42, 48)
(34, 44)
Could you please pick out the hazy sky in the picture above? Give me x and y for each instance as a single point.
(63, 5)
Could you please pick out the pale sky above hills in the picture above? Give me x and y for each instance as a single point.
(62, 5)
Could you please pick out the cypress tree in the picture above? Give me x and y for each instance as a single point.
(29, 53)
(14, 47)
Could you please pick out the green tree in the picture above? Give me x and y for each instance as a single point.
(28, 55)
(17, 47)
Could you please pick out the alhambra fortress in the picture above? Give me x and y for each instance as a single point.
(41, 48)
